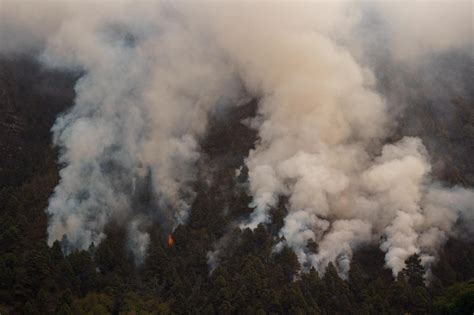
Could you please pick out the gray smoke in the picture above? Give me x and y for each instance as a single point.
(141, 106)
(154, 70)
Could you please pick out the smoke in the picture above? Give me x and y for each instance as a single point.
(141, 106)
(423, 27)
(322, 128)
(153, 71)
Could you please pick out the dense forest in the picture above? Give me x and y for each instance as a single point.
(176, 278)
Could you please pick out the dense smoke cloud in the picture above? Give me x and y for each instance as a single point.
(152, 72)
(141, 105)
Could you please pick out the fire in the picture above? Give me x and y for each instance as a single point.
(170, 240)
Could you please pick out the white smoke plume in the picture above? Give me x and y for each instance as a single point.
(141, 105)
(152, 71)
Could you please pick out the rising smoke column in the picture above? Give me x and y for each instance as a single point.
(322, 126)
(141, 105)
(152, 71)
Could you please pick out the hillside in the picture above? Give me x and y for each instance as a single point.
(244, 275)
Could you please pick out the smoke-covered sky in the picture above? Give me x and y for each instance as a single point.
(152, 71)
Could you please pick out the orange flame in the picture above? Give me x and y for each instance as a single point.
(170, 240)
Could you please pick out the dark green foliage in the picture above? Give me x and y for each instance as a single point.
(458, 299)
(414, 271)
(288, 261)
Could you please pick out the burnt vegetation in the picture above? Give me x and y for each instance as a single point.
(249, 278)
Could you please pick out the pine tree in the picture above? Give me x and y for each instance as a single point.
(414, 271)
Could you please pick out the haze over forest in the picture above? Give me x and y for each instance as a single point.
(236, 157)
